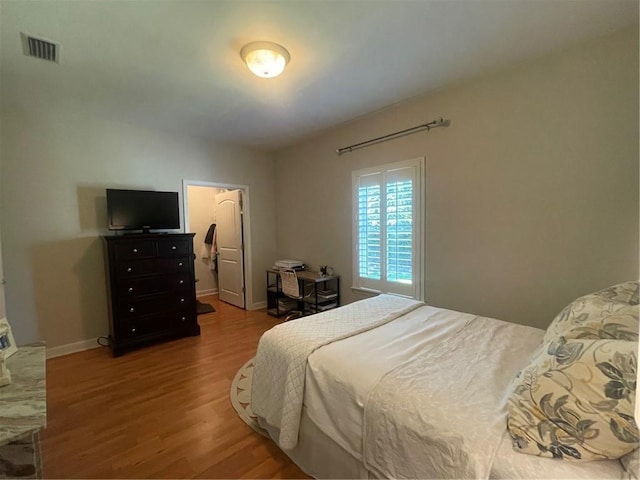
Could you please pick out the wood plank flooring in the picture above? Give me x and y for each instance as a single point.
(161, 411)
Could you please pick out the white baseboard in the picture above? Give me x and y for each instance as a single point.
(61, 350)
(202, 293)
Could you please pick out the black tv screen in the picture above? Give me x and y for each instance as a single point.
(142, 210)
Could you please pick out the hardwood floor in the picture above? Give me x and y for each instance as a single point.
(161, 411)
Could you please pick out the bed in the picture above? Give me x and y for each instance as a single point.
(389, 387)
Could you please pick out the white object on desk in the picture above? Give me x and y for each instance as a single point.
(288, 264)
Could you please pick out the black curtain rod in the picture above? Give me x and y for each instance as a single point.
(439, 122)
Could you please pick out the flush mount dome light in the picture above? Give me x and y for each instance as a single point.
(265, 59)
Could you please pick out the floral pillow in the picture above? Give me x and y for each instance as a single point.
(608, 314)
(627, 292)
(576, 401)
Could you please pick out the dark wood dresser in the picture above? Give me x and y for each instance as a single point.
(151, 289)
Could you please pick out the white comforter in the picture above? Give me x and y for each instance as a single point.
(449, 401)
(280, 365)
(340, 386)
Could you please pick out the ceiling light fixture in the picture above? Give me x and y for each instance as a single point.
(265, 59)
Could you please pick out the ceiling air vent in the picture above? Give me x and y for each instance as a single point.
(40, 48)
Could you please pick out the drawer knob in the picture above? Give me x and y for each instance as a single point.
(173, 247)
(128, 269)
(131, 309)
(182, 300)
(135, 250)
(183, 319)
(130, 289)
(133, 330)
(180, 282)
(180, 264)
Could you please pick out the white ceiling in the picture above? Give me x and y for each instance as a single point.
(176, 65)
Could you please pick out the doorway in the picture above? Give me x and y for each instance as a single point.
(224, 270)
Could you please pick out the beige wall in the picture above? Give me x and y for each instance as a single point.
(202, 213)
(531, 193)
(57, 161)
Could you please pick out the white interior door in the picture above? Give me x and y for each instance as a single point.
(230, 247)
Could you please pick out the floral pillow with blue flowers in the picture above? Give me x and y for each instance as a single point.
(611, 313)
(576, 400)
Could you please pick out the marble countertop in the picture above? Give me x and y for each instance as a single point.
(23, 403)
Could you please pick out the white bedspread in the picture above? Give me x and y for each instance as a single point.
(444, 412)
(339, 381)
(339, 384)
(280, 365)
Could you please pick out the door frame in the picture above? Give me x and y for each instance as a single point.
(246, 229)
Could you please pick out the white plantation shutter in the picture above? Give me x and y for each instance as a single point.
(399, 231)
(387, 228)
(369, 227)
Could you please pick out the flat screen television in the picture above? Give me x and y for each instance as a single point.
(133, 210)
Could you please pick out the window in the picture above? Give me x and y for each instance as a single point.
(387, 219)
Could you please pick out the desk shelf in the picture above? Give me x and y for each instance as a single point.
(319, 293)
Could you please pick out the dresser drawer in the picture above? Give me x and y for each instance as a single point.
(150, 266)
(175, 265)
(135, 287)
(133, 268)
(155, 324)
(174, 247)
(135, 249)
(134, 307)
